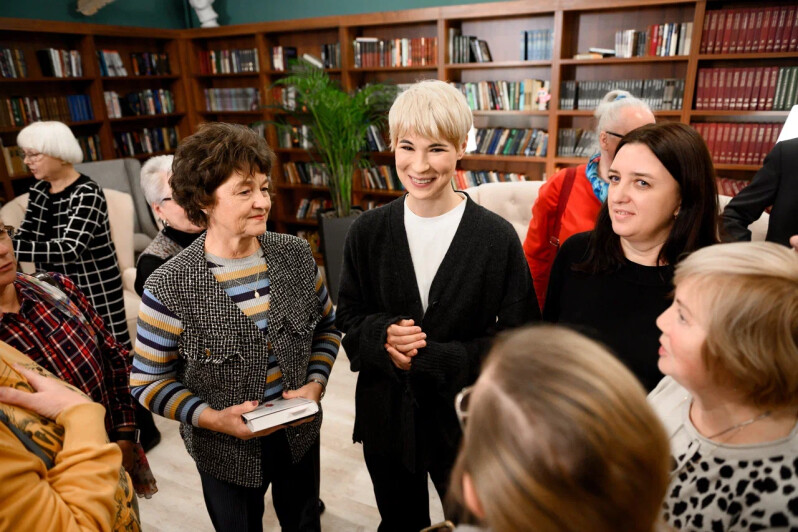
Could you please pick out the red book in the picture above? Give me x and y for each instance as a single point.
(725, 134)
(728, 91)
(745, 144)
(753, 103)
(763, 89)
(653, 39)
(711, 136)
(774, 24)
(737, 154)
(743, 45)
(712, 95)
(720, 88)
(774, 75)
(704, 33)
(716, 26)
(755, 28)
(747, 82)
(734, 42)
(779, 31)
(775, 129)
(701, 90)
(789, 40)
(727, 31)
(764, 29)
(738, 86)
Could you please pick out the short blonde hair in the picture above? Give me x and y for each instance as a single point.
(433, 109)
(51, 138)
(748, 292)
(155, 180)
(559, 437)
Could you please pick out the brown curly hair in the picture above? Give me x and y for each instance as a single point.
(207, 158)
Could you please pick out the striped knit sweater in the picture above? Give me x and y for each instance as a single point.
(246, 282)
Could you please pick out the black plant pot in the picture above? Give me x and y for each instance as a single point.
(332, 231)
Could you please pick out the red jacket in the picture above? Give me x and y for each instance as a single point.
(580, 215)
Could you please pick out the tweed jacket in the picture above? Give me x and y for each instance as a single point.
(223, 354)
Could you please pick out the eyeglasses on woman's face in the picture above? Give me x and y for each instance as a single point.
(461, 404)
(613, 134)
(32, 156)
(7, 231)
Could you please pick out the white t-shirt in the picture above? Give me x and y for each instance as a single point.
(429, 240)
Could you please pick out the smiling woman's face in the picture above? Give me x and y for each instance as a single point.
(242, 206)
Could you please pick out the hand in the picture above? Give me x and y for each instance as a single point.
(794, 242)
(128, 449)
(311, 390)
(403, 341)
(229, 421)
(50, 399)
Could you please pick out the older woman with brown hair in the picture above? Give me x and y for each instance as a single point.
(558, 438)
(729, 348)
(240, 316)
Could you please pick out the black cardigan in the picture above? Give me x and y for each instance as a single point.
(482, 286)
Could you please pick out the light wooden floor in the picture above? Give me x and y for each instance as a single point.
(345, 485)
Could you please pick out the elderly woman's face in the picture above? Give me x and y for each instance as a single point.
(242, 206)
(169, 211)
(8, 262)
(684, 333)
(41, 165)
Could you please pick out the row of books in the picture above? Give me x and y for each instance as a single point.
(282, 56)
(511, 141)
(375, 140)
(331, 55)
(234, 99)
(150, 63)
(739, 143)
(526, 95)
(294, 136)
(111, 63)
(228, 61)
(148, 140)
(749, 89)
(90, 144)
(60, 63)
(309, 208)
(146, 102)
(382, 177)
(374, 52)
(306, 173)
(284, 96)
(468, 48)
(536, 45)
(750, 30)
(673, 38)
(18, 111)
(312, 238)
(659, 94)
(12, 63)
(576, 142)
(463, 179)
(730, 187)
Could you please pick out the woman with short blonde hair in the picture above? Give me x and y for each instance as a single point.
(558, 437)
(729, 348)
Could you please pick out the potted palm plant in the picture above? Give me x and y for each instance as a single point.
(337, 122)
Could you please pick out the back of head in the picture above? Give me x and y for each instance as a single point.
(206, 159)
(612, 107)
(51, 138)
(748, 292)
(560, 437)
(152, 181)
(433, 109)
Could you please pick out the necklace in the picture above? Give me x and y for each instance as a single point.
(741, 425)
(257, 280)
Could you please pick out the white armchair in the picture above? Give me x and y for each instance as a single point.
(513, 202)
(120, 218)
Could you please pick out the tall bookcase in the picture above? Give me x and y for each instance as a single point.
(576, 25)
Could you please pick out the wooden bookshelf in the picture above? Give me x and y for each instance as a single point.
(576, 25)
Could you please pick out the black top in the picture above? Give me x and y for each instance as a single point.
(775, 184)
(618, 309)
(149, 262)
(482, 286)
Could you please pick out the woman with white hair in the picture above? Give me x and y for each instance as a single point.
(66, 227)
(569, 202)
(177, 233)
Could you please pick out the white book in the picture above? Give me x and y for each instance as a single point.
(280, 412)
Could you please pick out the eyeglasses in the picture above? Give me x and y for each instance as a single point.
(613, 134)
(164, 200)
(32, 157)
(7, 231)
(461, 402)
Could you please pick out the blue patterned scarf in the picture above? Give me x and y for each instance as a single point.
(600, 186)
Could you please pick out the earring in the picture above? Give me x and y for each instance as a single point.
(165, 222)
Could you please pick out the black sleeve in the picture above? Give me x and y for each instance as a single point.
(572, 248)
(144, 268)
(747, 206)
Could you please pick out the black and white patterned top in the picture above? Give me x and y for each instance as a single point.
(69, 233)
(718, 487)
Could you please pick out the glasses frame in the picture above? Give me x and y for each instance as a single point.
(614, 134)
(32, 157)
(460, 398)
(9, 230)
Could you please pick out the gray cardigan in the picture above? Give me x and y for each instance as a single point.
(224, 355)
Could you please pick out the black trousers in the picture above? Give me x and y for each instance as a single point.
(295, 492)
(402, 495)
